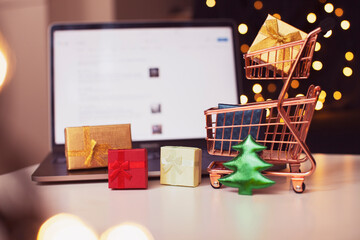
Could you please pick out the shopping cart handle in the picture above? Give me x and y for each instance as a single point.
(327, 24)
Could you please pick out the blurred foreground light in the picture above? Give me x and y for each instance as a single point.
(257, 88)
(258, 5)
(3, 68)
(319, 105)
(243, 99)
(328, 34)
(322, 94)
(277, 15)
(337, 95)
(295, 84)
(339, 12)
(317, 65)
(347, 71)
(127, 231)
(311, 17)
(349, 56)
(259, 98)
(210, 3)
(244, 48)
(345, 24)
(317, 47)
(329, 8)
(242, 28)
(271, 87)
(65, 226)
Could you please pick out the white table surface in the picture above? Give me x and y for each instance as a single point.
(328, 209)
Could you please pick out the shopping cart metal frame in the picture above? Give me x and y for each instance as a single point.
(287, 120)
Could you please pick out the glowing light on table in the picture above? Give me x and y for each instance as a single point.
(244, 48)
(243, 99)
(317, 47)
(242, 28)
(210, 3)
(277, 15)
(349, 56)
(328, 34)
(319, 105)
(65, 226)
(347, 71)
(329, 8)
(127, 231)
(257, 88)
(3, 68)
(345, 24)
(339, 12)
(271, 87)
(317, 65)
(337, 95)
(258, 5)
(295, 84)
(311, 17)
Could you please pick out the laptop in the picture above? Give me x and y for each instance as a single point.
(157, 76)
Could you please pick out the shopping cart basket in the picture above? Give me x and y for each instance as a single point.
(281, 125)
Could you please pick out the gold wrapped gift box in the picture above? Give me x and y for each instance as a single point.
(180, 166)
(275, 32)
(87, 147)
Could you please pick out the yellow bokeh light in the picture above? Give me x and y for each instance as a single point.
(317, 47)
(347, 71)
(267, 112)
(259, 98)
(345, 24)
(258, 5)
(295, 84)
(317, 65)
(322, 94)
(244, 48)
(329, 8)
(311, 17)
(328, 34)
(3, 68)
(242, 28)
(127, 231)
(65, 226)
(337, 95)
(257, 88)
(339, 12)
(276, 15)
(210, 3)
(271, 87)
(286, 95)
(300, 95)
(319, 105)
(349, 56)
(243, 99)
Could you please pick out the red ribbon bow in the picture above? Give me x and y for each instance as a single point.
(120, 172)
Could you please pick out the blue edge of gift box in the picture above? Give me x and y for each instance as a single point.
(258, 117)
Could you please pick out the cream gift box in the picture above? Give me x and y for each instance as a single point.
(180, 166)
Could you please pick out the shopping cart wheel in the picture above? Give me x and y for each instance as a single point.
(216, 184)
(299, 189)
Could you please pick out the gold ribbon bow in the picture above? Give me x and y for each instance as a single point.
(92, 150)
(273, 38)
(173, 161)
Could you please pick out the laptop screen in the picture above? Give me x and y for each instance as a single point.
(160, 77)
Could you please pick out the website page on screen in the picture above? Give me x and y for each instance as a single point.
(160, 80)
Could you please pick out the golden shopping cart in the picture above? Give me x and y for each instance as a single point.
(281, 125)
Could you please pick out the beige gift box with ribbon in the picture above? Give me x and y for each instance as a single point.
(180, 166)
(87, 147)
(275, 32)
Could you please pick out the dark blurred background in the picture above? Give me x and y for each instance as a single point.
(24, 109)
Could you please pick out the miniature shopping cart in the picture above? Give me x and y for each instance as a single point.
(281, 125)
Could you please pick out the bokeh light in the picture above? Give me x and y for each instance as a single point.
(300, 95)
(317, 65)
(295, 84)
(3, 68)
(243, 99)
(65, 226)
(345, 24)
(329, 8)
(276, 15)
(322, 96)
(339, 12)
(127, 231)
(257, 88)
(317, 46)
(258, 5)
(311, 17)
(267, 112)
(347, 71)
(271, 87)
(349, 56)
(337, 95)
(244, 48)
(242, 28)
(258, 97)
(328, 34)
(210, 3)
(319, 105)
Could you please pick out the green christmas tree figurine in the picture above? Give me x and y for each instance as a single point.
(247, 166)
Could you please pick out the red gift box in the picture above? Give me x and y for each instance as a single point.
(127, 168)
